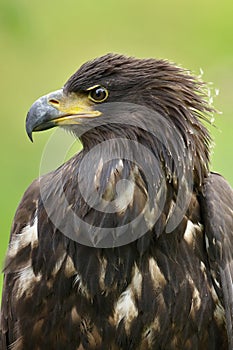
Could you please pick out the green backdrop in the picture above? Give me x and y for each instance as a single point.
(43, 42)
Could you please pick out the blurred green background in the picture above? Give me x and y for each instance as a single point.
(43, 42)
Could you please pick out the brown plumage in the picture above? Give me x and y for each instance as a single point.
(128, 245)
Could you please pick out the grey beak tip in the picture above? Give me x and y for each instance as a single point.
(30, 137)
(29, 128)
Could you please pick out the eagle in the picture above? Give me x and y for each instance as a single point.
(129, 243)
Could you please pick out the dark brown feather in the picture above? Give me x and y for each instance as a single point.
(160, 290)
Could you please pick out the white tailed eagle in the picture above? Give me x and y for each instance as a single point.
(129, 244)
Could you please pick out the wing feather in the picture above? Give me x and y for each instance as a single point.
(19, 242)
(217, 209)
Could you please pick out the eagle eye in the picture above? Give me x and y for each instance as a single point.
(98, 94)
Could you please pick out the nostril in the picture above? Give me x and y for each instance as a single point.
(53, 101)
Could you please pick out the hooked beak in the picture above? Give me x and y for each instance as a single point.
(58, 109)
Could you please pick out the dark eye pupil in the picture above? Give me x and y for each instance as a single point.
(98, 94)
